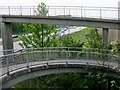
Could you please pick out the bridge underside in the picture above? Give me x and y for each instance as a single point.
(37, 71)
(87, 22)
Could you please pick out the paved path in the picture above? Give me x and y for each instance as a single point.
(16, 67)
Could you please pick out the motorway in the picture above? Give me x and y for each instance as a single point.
(60, 34)
(15, 44)
(70, 30)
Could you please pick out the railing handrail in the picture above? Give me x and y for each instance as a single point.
(74, 11)
(30, 57)
(13, 51)
(56, 49)
(63, 6)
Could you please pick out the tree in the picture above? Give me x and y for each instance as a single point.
(17, 28)
(41, 9)
(68, 41)
(115, 47)
(94, 40)
(71, 81)
(40, 35)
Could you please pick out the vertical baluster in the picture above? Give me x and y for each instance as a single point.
(118, 62)
(13, 56)
(27, 57)
(77, 54)
(30, 11)
(64, 10)
(100, 13)
(87, 57)
(20, 10)
(47, 57)
(67, 53)
(48, 10)
(69, 12)
(1, 67)
(33, 10)
(9, 9)
(81, 11)
(7, 64)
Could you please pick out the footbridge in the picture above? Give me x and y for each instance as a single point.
(98, 17)
(30, 63)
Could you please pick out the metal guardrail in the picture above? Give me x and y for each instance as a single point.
(31, 57)
(67, 11)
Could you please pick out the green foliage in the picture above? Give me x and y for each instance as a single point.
(114, 46)
(95, 80)
(94, 40)
(40, 35)
(114, 85)
(70, 81)
(35, 38)
(17, 29)
(88, 37)
(68, 41)
(71, 41)
(81, 35)
(41, 9)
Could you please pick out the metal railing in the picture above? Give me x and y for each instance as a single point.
(47, 55)
(67, 11)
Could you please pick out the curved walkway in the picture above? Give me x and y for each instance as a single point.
(31, 63)
(52, 68)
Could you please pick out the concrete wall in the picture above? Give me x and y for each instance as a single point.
(114, 35)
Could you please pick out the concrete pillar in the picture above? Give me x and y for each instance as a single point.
(7, 36)
(105, 37)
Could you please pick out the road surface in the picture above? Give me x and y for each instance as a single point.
(60, 34)
(15, 44)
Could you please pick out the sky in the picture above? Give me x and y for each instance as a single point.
(97, 3)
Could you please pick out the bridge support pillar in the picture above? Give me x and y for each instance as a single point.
(7, 37)
(105, 37)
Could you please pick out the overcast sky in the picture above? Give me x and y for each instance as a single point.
(99, 3)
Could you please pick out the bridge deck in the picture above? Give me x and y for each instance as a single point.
(71, 66)
(88, 22)
(19, 66)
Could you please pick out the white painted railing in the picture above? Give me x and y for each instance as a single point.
(67, 11)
